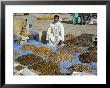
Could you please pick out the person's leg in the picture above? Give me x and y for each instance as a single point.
(57, 40)
(51, 39)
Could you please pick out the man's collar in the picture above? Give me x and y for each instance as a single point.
(56, 22)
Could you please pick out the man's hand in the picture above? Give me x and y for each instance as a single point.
(61, 42)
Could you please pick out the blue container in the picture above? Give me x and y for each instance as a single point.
(30, 25)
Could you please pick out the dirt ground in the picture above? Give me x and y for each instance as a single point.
(42, 25)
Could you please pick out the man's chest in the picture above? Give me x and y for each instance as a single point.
(55, 27)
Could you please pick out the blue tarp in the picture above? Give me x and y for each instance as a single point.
(63, 65)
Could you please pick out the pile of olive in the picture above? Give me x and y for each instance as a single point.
(46, 68)
(19, 67)
(29, 47)
(90, 56)
(84, 40)
(24, 60)
(28, 59)
(68, 37)
(70, 49)
(92, 49)
(37, 50)
(43, 51)
(80, 68)
(60, 56)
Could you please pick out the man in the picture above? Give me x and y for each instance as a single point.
(55, 33)
(75, 18)
(24, 32)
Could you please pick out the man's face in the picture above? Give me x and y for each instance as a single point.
(56, 19)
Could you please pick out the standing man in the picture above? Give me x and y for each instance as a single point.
(24, 32)
(75, 18)
(55, 33)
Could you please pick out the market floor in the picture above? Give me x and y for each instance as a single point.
(76, 30)
(42, 25)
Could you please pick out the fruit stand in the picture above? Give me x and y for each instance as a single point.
(39, 59)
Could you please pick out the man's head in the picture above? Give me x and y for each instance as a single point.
(56, 18)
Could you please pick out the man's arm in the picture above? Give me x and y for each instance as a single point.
(48, 32)
(62, 32)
